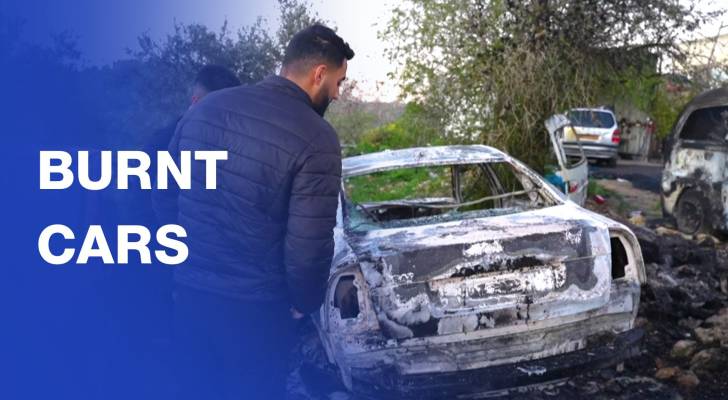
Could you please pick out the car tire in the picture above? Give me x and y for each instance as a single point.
(692, 213)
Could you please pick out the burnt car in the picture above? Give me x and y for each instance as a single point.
(695, 177)
(459, 270)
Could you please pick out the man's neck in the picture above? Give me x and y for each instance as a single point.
(300, 82)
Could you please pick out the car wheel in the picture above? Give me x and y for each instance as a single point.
(691, 213)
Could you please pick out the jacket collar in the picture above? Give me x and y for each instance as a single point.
(288, 87)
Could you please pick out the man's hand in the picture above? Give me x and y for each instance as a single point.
(295, 314)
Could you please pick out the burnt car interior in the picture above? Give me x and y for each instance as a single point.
(707, 124)
(422, 195)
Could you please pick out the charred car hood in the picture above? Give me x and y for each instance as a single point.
(460, 276)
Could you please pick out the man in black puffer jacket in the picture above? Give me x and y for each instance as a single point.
(261, 243)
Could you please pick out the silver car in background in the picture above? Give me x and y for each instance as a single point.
(598, 132)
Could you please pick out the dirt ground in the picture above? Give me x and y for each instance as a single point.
(629, 199)
(683, 311)
(684, 306)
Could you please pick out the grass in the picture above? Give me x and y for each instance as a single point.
(595, 189)
(399, 184)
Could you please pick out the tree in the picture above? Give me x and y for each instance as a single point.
(496, 69)
(151, 88)
(163, 71)
(348, 115)
(294, 16)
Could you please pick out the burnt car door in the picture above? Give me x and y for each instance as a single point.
(574, 172)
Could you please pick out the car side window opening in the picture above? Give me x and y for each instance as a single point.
(487, 181)
(421, 195)
(707, 124)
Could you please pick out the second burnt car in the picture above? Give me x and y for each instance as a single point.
(459, 270)
(695, 176)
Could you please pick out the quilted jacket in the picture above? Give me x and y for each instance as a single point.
(266, 232)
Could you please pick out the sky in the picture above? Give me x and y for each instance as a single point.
(105, 28)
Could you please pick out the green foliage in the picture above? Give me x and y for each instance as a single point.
(594, 189)
(350, 116)
(350, 121)
(633, 86)
(665, 109)
(415, 128)
(390, 136)
(399, 184)
(614, 199)
(494, 70)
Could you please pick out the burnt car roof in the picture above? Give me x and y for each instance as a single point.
(710, 98)
(420, 156)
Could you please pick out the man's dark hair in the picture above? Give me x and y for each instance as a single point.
(315, 45)
(215, 77)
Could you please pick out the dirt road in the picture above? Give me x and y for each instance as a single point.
(643, 175)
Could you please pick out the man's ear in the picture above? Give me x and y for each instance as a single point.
(318, 74)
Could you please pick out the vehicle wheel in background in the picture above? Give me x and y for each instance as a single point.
(691, 213)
